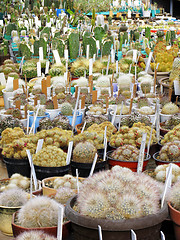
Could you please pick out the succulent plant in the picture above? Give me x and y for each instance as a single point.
(73, 45)
(146, 110)
(49, 104)
(174, 196)
(35, 235)
(135, 118)
(50, 156)
(15, 112)
(10, 122)
(39, 212)
(170, 108)
(66, 109)
(146, 86)
(84, 152)
(9, 134)
(59, 89)
(62, 121)
(103, 81)
(170, 152)
(126, 153)
(118, 194)
(63, 194)
(13, 198)
(96, 110)
(173, 121)
(161, 170)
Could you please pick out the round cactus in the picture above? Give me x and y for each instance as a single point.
(31, 235)
(126, 153)
(170, 152)
(84, 152)
(170, 108)
(174, 197)
(66, 109)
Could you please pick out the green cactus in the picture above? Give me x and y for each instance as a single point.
(73, 45)
(49, 104)
(91, 41)
(148, 32)
(24, 51)
(66, 109)
(84, 152)
(46, 30)
(106, 47)
(93, 18)
(10, 27)
(173, 37)
(58, 44)
(99, 33)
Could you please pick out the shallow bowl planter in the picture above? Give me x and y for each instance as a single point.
(160, 162)
(175, 217)
(45, 172)
(118, 117)
(128, 164)
(87, 228)
(49, 230)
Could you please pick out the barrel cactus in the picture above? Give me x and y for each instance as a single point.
(126, 153)
(170, 108)
(170, 152)
(66, 109)
(84, 152)
(160, 172)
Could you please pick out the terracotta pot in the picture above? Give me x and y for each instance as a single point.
(1, 101)
(175, 216)
(87, 228)
(49, 230)
(128, 164)
(77, 128)
(159, 162)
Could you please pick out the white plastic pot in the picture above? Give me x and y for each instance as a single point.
(6, 95)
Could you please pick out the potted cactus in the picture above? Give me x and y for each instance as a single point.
(39, 214)
(35, 235)
(51, 110)
(174, 208)
(113, 199)
(10, 201)
(168, 110)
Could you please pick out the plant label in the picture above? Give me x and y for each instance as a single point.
(90, 66)
(44, 86)
(55, 102)
(167, 184)
(176, 87)
(21, 65)
(68, 159)
(114, 114)
(112, 55)
(60, 222)
(15, 84)
(116, 67)
(39, 145)
(162, 235)
(66, 54)
(38, 69)
(135, 55)
(18, 104)
(148, 61)
(56, 56)
(83, 102)
(149, 143)
(84, 125)
(77, 180)
(41, 57)
(141, 153)
(75, 110)
(93, 165)
(32, 169)
(2, 79)
(120, 116)
(48, 81)
(1, 23)
(133, 235)
(105, 149)
(87, 52)
(100, 232)
(94, 96)
(107, 69)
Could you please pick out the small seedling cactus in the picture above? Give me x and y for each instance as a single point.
(49, 104)
(84, 152)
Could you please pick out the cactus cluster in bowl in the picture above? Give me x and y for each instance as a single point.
(60, 122)
(126, 153)
(135, 118)
(132, 135)
(161, 170)
(10, 122)
(173, 121)
(172, 135)
(170, 152)
(170, 108)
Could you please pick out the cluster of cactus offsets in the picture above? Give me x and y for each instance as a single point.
(34, 235)
(57, 70)
(63, 194)
(66, 109)
(50, 156)
(39, 212)
(170, 152)
(67, 181)
(79, 67)
(60, 122)
(132, 136)
(125, 109)
(9, 135)
(172, 135)
(172, 122)
(15, 181)
(146, 110)
(49, 104)
(84, 152)
(10, 122)
(15, 112)
(90, 120)
(59, 89)
(146, 86)
(103, 81)
(21, 97)
(174, 75)
(118, 194)
(126, 153)
(170, 108)
(160, 172)
(15, 197)
(96, 110)
(135, 118)
(174, 196)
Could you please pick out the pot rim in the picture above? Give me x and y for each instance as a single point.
(172, 208)
(158, 160)
(114, 225)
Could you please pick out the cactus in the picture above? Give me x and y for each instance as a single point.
(91, 41)
(146, 86)
(66, 109)
(73, 45)
(148, 32)
(34, 235)
(59, 89)
(106, 47)
(39, 212)
(118, 194)
(24, 51)
(170, 152)
(10, 27)
(49, 104)
(58, 44)
(126, 153)
(84, 152)
(174, 197)
(170, 108)
(63, 194)
(93, 18)
(160, 172)
(99, 33)
(13, 197)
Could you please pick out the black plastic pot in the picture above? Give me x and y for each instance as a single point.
(146, 228)
(20, 166)
(85, 168)
(45, 172)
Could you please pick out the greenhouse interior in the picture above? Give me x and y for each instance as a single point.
(89, 120)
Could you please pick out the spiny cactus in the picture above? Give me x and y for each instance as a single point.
(66, 109)
(91, 41)
(49, 104)
(170, 152)
(13, 198)
(160, 172)
(39, 212)
(58, 44)
(59, 89)
(170, 108)
(126, 153)
(174, 197)
(33, 235)
(146, 86)
(84, 152)
(106, 47)
(118, 194)
(73, 45)
(63, 194)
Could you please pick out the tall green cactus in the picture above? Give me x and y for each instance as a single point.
(73, 45)
(148, 32)
(24, 51)
(91, 41)
(58, 44)
(106, 47)
(168, 37)
(93, 18)
(99, 33)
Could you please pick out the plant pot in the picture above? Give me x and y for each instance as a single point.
(49, 230)
(85, 168)
(128, 164)
(1, 101)
(160, 162)
(53, 113)
(78, 119)
(163, 131)
(117, 118)
(46, 172)
(20, 166)
(6, 214)
(175, 217)
(31, 119)
(87, 228)
(165, 117)
(77, 128)
(6, 95)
